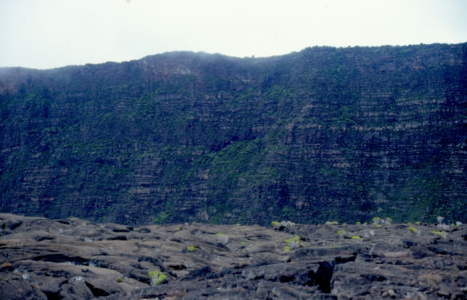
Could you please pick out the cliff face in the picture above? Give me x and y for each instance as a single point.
(323, 134)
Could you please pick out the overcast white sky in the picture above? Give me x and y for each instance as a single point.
(52, 33)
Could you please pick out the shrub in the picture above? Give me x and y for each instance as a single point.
(222, 238)
(443, 226)
(343, 234)
(156, 277)
(376, 220)
(441, 234)
(413, 230)
(293, 243)
(287, 223)
(331, 223)
(286, 249)
(190, 248)
(356, 238)
(277, 225)
(282, 225)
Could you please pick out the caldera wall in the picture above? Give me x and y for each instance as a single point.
(323, 134)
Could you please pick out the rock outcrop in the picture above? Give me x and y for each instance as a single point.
(76, 259)
(323, 134)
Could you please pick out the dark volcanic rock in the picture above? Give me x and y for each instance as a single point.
(319, 135)
(244, 262)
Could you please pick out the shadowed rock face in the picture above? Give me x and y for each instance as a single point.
(323, 134)
(76, 259)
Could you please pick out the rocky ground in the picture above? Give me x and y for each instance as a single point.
(76, 259)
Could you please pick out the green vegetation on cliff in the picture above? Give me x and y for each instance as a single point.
(323, 134)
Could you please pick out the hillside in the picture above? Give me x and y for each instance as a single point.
(323, 134)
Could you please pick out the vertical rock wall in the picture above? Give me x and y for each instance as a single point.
(323, 134)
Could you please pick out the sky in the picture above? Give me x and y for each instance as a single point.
(46, 34)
